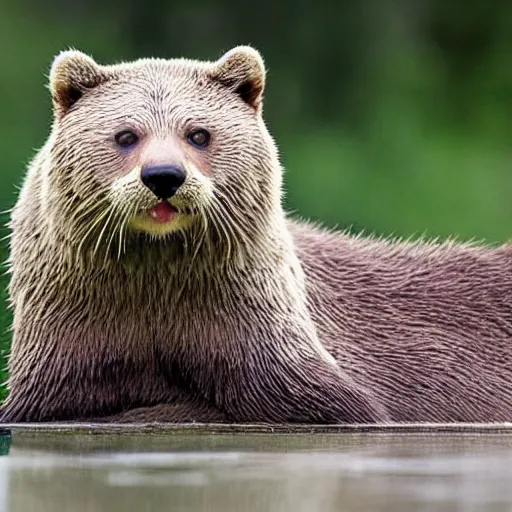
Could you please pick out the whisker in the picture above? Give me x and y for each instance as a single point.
(127, 214)
(111, 210)
(95, 222)
(122, 217)
(237, 223)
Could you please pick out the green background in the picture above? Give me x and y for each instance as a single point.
(392, 116)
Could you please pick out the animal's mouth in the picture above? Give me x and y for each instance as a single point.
(163, 218)
(163, 212)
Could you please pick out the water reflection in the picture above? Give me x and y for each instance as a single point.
(257, 473)
(5, 444)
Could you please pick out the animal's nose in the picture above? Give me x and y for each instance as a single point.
(163, 180)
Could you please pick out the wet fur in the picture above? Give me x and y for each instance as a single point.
(244, 315)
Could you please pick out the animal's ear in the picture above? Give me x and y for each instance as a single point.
(243, 71)
(72, 74)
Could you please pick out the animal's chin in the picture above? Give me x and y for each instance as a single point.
(162, 219)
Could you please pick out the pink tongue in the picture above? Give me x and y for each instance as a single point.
(162, 212)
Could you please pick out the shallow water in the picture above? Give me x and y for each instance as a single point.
(180, 471)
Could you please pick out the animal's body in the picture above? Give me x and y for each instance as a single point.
(155, 276)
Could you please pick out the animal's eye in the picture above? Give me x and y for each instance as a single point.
(126, 139)
(199, 138)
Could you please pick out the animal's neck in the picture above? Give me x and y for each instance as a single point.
(168, 268)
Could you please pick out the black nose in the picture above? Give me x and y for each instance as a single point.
(163, 180)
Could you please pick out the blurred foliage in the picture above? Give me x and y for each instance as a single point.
(392, 116)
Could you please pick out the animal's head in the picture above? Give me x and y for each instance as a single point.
(162, 147)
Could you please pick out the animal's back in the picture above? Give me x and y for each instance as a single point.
(427, 326)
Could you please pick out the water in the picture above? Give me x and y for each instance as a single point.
(179, 470)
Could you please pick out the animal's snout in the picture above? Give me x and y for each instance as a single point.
(163, 180)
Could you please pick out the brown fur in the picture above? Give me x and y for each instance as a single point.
(237, 314)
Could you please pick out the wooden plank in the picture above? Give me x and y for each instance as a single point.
(206, 428)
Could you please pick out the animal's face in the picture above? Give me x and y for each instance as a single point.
(161, 146)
